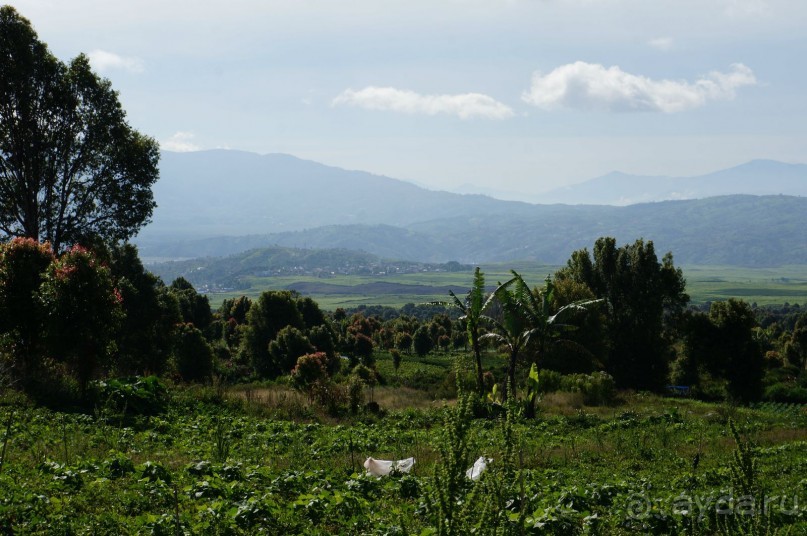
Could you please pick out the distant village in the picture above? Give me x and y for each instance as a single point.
(367, 268)
(214, 284)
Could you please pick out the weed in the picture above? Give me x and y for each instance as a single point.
(221, 440)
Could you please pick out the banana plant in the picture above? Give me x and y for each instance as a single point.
(473, 307)
(526, 317)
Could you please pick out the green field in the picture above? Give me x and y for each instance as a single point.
(764, 286)
(261, 459)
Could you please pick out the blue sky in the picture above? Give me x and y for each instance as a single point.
(513, 97)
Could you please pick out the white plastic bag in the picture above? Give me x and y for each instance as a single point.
(384, 467)
(478, 468)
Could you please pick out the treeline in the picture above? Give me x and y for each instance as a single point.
(88, 314)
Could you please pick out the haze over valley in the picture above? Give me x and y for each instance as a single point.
(216, 203)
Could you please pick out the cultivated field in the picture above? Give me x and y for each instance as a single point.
(765, 286)
(262, 459)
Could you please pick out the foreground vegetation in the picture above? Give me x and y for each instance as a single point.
(262, 459)
(130, 407)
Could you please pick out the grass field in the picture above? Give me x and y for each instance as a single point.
(765, 286)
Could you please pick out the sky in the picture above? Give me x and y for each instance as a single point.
(505, 97)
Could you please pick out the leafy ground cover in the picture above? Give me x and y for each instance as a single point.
(220, 462)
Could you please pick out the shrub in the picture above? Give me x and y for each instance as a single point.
(355, 393)
(422, 341)
(787, 393)
(396, 359)
(330, 396)
(192, 355)
(597, 388)
(549, 381)
(132, 396)
(310, 368)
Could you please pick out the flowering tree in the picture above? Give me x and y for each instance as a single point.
(83, 311)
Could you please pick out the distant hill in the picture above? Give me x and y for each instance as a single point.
(213, 193)
(729, 230)
(215, 203)
(758, 177)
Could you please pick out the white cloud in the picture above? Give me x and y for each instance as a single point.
(106, 61)
(661, 43)
(180, 142)
(464, 106)
(592, 86)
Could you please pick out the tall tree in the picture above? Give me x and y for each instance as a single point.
(71, 167)
(271, 312)
(236, 308)
(642, 294)
(194, 307)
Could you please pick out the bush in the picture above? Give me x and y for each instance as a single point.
(549, 381)
(396, 358)
(330, 396)
(355, 393)
(597, 388)
(131, 396)
(310, 369)
(422, 341)
(192, 355)
(787, 393)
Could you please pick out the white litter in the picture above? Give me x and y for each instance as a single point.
(479, 467)
(384, 467)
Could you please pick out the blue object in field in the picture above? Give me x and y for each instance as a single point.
(682, 390)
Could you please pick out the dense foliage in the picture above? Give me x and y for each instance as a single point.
(71, 167)
(642, 295)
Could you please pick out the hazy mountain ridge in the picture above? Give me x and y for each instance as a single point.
(757, 177)
(212, 193)
(730, 230)
(250, 197)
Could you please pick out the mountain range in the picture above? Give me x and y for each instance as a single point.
(216, 203)
(757, 177)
